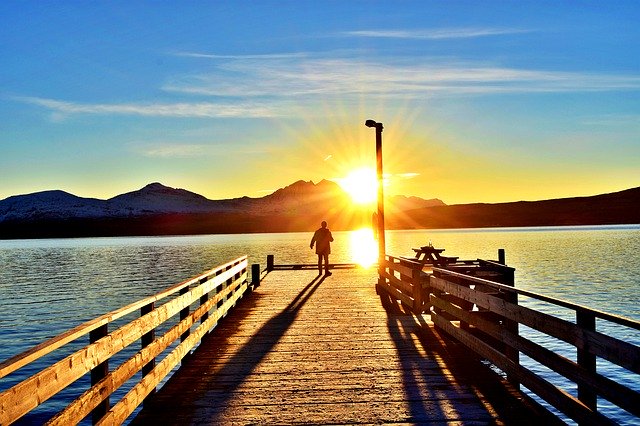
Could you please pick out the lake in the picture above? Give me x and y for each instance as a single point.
(49, 286)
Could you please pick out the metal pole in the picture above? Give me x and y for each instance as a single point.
(381, 241)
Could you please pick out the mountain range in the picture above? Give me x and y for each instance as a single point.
(160, 210)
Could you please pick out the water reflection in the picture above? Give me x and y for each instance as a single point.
(363, 247)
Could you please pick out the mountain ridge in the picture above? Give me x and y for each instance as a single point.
(157, 209)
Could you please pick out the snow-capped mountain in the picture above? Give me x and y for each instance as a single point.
(50, 204)
(158, 210)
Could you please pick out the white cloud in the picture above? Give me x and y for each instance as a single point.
(168, 150)
(436, 34)
(201, 109)
(258, 56)
(345, 76)
(247, 86)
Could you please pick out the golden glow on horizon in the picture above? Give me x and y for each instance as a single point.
(363, 247)
(361, 184)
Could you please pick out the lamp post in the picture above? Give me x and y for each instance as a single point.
(380, 221)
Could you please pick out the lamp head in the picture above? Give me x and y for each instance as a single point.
(371, 123)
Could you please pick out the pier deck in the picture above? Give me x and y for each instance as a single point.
(307, 349)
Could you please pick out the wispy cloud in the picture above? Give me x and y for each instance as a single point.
(254, 88)
(436, 34)
(170, 150)
(400, 78)
(201, 109)
(240, 57)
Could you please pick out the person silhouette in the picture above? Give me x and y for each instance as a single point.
(322, 239)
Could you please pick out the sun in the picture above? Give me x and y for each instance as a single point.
(361, 185)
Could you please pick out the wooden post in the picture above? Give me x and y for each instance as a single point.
(586, 360)
(270, 260)
(99, 373)
(145, 341)
(203, 299)
(418, 301)
(509, 279)
(184, 313)
(255, 275)
(501, 257)
(381, 269)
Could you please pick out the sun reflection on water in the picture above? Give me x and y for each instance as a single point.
(363, 247)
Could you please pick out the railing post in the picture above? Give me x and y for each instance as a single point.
(501, 257)
(255, 275)
(145, 341)
(509, 279)
(99, 373)
(416, 281)
(586, 360)
(270, 262)
(381, 270)
(184, 313)
(203, 299)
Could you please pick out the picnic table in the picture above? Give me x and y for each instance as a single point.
(429, 255)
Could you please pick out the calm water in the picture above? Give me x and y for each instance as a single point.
(48, 286)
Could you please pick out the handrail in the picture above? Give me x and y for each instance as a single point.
(216, 290)
(403, 279)
(618, 319)
(452, 298)
(20, 360)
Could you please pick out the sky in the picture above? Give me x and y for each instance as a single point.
(481, 101)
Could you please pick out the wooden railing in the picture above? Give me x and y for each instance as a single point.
(212, 293)
(405, 281)
(486, 331)
(476, 303)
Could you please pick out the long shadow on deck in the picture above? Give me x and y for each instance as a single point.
(471, 392)
(214, 391)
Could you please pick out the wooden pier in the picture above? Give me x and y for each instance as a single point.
(284, 345)
(311, 349)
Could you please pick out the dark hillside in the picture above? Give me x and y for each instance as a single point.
(616, 208)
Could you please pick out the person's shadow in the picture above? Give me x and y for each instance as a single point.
(215, 390)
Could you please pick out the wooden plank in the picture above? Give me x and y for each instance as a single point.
(402, 286)
(83, 405)
(626, 398)
(123, 409)
(560, 399)
(309, 349)
(617, 319)
(28, 394)
(20, 360)
(397, 294)
(609, 348)
(401, 269)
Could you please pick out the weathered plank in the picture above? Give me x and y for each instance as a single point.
(607, 347)
(309, 349)
(28, 394)
(18, 361)
(620, 395)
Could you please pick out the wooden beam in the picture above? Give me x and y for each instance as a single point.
(607, 347)
(18, 361)
(560, 399)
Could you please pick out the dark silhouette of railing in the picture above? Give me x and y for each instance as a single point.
(476, 303)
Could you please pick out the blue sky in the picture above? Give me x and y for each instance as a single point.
(482, 101)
